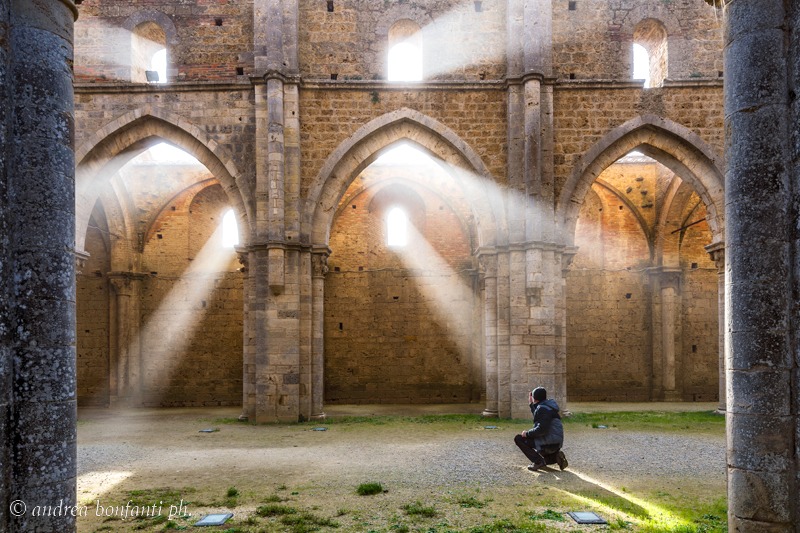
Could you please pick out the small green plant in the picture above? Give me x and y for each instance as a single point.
(417, 509)
(548, 514)
(471, 501)
(304, 522)
(232, 492)
(274, 498)
(275, 510)
(618, 524)
(368, 489)
(400, 528)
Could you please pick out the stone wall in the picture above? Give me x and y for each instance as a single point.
(330, 117)
(208, 41)
(458, 41)
(584, 113)
(191, 307)
(592, 39)
(93, 315)
(613, 289)
(398, 320)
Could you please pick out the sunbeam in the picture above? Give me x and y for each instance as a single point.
(93, 485)
(653, 513)
(171, 327)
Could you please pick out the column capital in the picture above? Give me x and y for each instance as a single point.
(716, 251)
(122, 280)
(81, 257)
(319, 264)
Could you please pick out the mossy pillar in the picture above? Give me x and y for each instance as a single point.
(37, 286)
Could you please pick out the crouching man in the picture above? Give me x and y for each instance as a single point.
(542, 443)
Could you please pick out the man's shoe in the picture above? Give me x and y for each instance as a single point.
(534, 467)
(562, 460)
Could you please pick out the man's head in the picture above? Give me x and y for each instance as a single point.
(539, 394)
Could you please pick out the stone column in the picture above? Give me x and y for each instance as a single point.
(717, 253)
(504, 317)
(248, 341)
(670, 309)
(127, 372)
(488, 264)
(762, 182)
(37, 302)
(320, 269)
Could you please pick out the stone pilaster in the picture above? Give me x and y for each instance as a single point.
(717, 253)
(126, 359)
(37, 317)
(488, 267)
(282, 305)
(762, 49)
(319, 268)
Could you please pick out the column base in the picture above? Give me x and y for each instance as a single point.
(672, 396)
(318, 416)
(488, 413)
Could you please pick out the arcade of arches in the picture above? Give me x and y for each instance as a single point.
(282, 225)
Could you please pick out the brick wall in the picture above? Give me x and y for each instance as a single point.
(211, 38)
(329, 117)
(398, 324)
(191, 308)
(93, 326)
(610, 292)
(458, 42)
(594, 40)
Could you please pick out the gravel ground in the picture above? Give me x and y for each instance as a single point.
(119, 451)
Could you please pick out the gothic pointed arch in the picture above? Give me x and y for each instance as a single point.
(671, 144)
(425, 133)
(116, 143)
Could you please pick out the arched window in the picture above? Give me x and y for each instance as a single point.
(396, 227)
(230, 230)
(148, 40)
(650, 49)
(405, 51)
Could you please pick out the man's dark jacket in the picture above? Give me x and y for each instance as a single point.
(547, 428)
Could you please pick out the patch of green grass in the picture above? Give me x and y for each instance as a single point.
(274, 498)
(304, 522)
(708, 421)
(609, 499)
(507, 526)
(368, 489)
(232, 492)
(471, 502)
(400, 528)
(417, 509)
(275, 510)
(548, 514)
(158, 496)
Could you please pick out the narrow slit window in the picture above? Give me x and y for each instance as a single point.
(397, 227)
(641, 64)
(230, 231)
(405, 51)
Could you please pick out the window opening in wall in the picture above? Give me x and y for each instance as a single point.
(330, 6)
(405, 52)
(230, 231)
(405, 63)
(148, 53)
(396, 227)
(641, 64)
(159, 64)
(650, 52)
